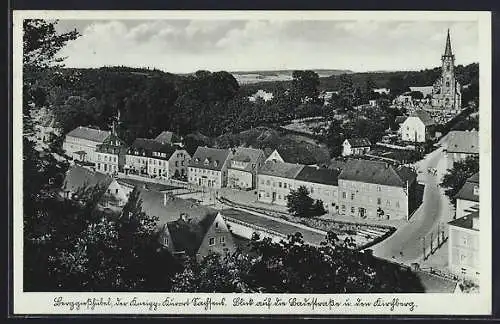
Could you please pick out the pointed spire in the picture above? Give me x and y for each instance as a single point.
(447, 50)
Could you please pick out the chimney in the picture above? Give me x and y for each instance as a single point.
(475, 223)
(184, 217)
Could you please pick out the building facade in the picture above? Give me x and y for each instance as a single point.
(322, 184)
(418, 127)
(459, 145)
(373, 189)
(275, 180)
(208, 167)
(243, 167)
(81, 143)
(468, 197)
(446, 93)
(463, 248)
(355, 146)
(111, 155)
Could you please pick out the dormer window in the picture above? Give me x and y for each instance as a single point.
(206, 162)
(216, 162)
(197, 160)
(476, 190)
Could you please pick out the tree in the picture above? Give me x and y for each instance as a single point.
(305, 85)
(456, 177)
(300, 204)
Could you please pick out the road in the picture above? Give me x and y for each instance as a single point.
(406, 244)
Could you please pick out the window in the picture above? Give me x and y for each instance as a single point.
(379, 189)
(343, 195)
(279, 197)
(476, 190)
(284, 184)
(343, 207)
(211, 241)
(352, 210)
(312, 190)
(116, 191)
(216, 224)
(379, 201)
(464, 241)
(267, 194)
(165, 240)
(268, 182)
(176, 163)
(352, 196)
(222, 239)
(280, 184)
(388, 203)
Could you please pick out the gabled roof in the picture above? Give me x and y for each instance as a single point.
(188, 235)
(281, 169)
(467, 190)
(148, 146)
(209, 158)
(466, 221)
(248, 155)
(424, 117)
(463, 142)
(400, 119)
(377, 172)
(78, 177)
(359, 142)
(166, 137)
(90, 134)
(318, 175)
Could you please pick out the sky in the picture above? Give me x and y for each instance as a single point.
(185, 46)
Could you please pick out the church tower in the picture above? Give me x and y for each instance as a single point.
(447, 93)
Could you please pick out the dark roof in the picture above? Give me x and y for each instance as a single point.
(148, 146)
(467, 190)
(188, 235)
(318, 175)
(359, 142)
(91, 134)
(376, 172)
(463, 142)
(249, 155)
(281, 169)
(78, 177)
(424, 117)
(209, 158)
(465, 221)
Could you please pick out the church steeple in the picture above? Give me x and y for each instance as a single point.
(447, 50)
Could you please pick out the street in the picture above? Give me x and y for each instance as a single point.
(406, 244)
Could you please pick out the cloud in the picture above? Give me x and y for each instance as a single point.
(189, 45)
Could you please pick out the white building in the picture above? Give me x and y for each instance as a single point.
(81, 143)
(418, 127)
(463, 247)
(111, 155)
(152, 158)
(208, 167)
(275, 179)
(355, 146)
(243, 167)
(459, 145)
(468, 196)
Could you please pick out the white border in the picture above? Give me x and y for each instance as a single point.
(427, 304)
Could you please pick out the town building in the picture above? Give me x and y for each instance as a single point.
(243, 167)
(150, 157)
(208, 167)
(425, 90)
(167, 137)
(111, 155)
(321, 183)
(374, 189)
(81, 143)
(463, 246)
(275, 179)
(79, 178)
(355, 146)
(459, 145)
(187, 228)
(468, 196)
(272, 155)
(418, 127)
(446, 93)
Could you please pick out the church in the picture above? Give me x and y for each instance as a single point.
(446, 91)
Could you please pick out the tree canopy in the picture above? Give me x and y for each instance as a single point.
(456, 177)
(300, 204)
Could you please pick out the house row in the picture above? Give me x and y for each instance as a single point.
(186, 228)
(362, 188)
(161, 157)
(463, 232)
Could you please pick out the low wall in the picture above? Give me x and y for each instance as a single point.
(246, 230)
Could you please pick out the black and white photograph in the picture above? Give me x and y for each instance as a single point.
(252, 162)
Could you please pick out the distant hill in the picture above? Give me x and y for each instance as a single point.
(250, 77)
